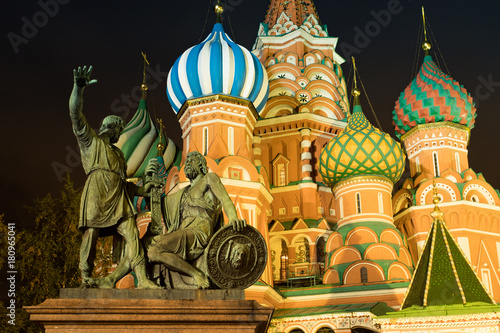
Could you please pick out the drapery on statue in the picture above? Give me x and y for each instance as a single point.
(192, 215)
(106, 206)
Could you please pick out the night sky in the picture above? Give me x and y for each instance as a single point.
(37, 64)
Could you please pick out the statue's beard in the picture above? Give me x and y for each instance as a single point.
(191, 173)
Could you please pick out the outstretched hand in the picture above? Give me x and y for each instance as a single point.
(82, 76)
(238, 224)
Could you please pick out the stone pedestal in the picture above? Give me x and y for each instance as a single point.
(152, 311)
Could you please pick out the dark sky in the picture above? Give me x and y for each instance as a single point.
(38, 60)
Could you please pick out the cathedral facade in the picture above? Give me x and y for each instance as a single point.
(305, 167)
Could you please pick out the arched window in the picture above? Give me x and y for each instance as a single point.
(380, 203)
(320, 250)
(474, 198)
(436, 164)
(417, 165)
(358, 203)
(364, 274)
(230, 140)
(457, 162)
(205, 141)
(283, 260)
(325, 330)
(281, 175)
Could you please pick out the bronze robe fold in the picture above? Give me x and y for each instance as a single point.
(105, 198)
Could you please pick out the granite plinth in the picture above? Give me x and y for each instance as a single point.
(148, 311)
(192, 294)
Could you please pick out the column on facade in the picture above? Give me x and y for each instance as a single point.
(305, 156)
(257, 139)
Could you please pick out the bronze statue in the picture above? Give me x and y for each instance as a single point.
(192, 215)
(106, 206)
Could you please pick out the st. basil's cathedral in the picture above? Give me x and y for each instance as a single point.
(304, 166)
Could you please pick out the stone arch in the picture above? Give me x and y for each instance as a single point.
(483, 191)
(249, 171)
(425, 222)
(319, 326)
(299, 236)
(331, 276)
(278, 103)
(334, 242)
(380, 251)
(352, 273)
(402, 200)
(445, 188)
(391, 236)
(453, 221)
(311, 70)
(405, 256)
(398, 271)
(361, 235)
(344, 255)
(328, 106)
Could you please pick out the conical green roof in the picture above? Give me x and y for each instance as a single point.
(443, 275)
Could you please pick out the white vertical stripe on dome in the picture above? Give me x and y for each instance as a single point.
(172, 92)
(183, 78)
(250, 74)
(204, 67)
(141, 150)
(227, 67)
(263, 90)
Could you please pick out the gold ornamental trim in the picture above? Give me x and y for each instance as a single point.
(217, 98)
(448, 124)
(359, 179)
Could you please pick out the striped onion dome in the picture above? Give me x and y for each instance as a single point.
(217, 66)
(139, 143)
(361, 149)
(433, 96)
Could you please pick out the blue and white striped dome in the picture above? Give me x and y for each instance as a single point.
(217, 66)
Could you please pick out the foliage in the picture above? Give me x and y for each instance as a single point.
(47, 254)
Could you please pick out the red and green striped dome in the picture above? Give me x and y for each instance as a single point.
(433, 96)
(361, 149)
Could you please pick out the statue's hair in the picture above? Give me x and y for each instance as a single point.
(111, 121)
(202, 162)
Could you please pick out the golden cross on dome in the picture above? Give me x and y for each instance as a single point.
(161, 145)
(146, 63)
(426, 46)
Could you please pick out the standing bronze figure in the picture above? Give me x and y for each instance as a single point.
(106, 206)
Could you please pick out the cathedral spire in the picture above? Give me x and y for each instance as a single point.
(443, 275)
(297, 10)
(426, 46)
(144, 87)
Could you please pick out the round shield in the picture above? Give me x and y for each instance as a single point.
(236, 259)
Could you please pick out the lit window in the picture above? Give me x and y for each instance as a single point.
(341, 204)
(282, 175)
(205, 141)
(380, 203)
(230, 140)
(436, 164)
(358, 203)
(364, 274)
